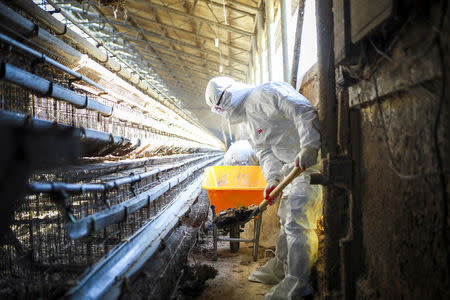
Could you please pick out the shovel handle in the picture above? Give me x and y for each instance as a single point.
(280, 187)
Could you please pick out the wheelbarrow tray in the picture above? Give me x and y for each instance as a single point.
(233, 186)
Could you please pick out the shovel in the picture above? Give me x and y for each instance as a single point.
(280, 187)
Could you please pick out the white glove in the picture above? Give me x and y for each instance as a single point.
(306, 158)
(287, 168)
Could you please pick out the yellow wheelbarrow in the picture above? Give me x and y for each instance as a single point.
(234, 187)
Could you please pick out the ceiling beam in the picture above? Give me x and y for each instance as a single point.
(136, 28)
(165, 38)
(195, 35)
(175, 69)
(249, 10)
(193, 17)
(207, 71)
(151, 60)
(238, 5)
(144, 47)
(169, 57)
(181, 53)
(184, 31)
(191, 11)
(205, 76)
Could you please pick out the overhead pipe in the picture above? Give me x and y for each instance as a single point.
(18, 24)
(44, 87)
(119, 212)
(45, 59)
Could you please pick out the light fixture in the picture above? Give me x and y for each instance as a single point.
(216, 42)
(220, 69)
(224, 12)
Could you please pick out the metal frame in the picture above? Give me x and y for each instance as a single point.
(106, 278)
(118, 213)
(256, 233)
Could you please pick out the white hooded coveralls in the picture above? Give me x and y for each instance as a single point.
(279, 122)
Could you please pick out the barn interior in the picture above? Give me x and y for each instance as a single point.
(106, 139)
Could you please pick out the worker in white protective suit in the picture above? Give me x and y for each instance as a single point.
(283, 130)
(240, 153)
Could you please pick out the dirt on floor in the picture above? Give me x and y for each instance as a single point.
(233, 269)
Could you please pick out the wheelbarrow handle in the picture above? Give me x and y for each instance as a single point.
(296, 171)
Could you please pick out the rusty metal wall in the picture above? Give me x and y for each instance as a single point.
(392, 124)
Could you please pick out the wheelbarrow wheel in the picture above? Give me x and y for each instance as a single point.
(234, 233)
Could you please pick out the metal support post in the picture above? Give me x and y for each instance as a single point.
(297, 43)
(257, 231)
(213, 209)
(284, 39)
(270, 50)
(261, 45)
(332, 195)
(254, 60)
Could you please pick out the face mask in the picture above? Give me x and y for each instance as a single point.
(219, 107)
(218, 110)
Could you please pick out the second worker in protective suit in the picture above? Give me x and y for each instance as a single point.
(283, 129)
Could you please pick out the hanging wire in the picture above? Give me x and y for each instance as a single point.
(220, 62)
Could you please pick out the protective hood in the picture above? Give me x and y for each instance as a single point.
(225, 97)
